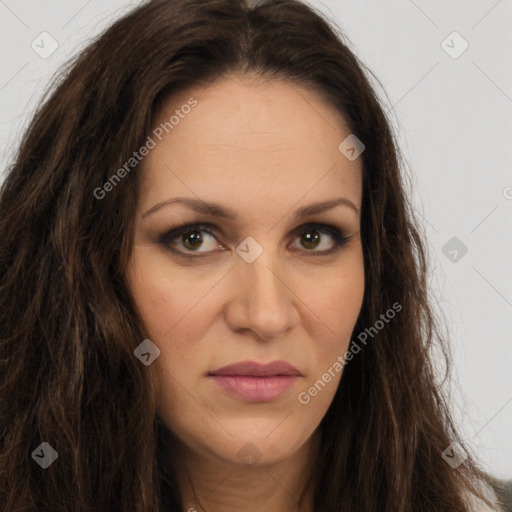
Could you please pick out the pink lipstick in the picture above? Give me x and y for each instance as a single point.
(256, 382)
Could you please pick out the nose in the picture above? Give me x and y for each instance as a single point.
(263, 301)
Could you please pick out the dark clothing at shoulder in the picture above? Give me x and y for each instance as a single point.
(503, 490)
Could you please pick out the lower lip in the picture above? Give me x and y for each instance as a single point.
(255, 389)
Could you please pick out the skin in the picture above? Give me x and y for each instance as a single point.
(263, 149)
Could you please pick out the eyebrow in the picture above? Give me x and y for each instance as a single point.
(217, 210)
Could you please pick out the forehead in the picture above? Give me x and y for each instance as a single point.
(251, 140)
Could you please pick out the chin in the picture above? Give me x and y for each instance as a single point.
(253, 446)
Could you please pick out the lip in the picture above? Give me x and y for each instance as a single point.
(255, 369)
(256, 382)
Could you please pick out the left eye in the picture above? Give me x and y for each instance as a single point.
(192, 238)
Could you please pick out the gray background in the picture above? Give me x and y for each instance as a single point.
(454, 121)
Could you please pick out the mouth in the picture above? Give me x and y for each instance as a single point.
(254, 369)
(255, 382)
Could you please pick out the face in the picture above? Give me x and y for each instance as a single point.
(267, 276)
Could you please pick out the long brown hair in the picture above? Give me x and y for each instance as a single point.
(68, 326)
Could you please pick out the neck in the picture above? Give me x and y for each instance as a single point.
(211, 484)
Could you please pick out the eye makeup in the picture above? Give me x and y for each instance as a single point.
(169, 238)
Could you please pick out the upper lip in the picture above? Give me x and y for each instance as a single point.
(252, 368)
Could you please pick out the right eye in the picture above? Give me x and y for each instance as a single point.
(189, 238)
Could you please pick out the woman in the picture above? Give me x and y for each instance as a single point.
(213, 285)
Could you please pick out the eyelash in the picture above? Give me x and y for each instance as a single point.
(338, 236)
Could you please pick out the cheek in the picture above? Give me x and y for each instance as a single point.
(176, 307)
(336, 300)
(167, 304)
(166, 298)
(336, 306)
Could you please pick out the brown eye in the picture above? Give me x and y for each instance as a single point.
(312, 237)
(196, 240)
(192, 238)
